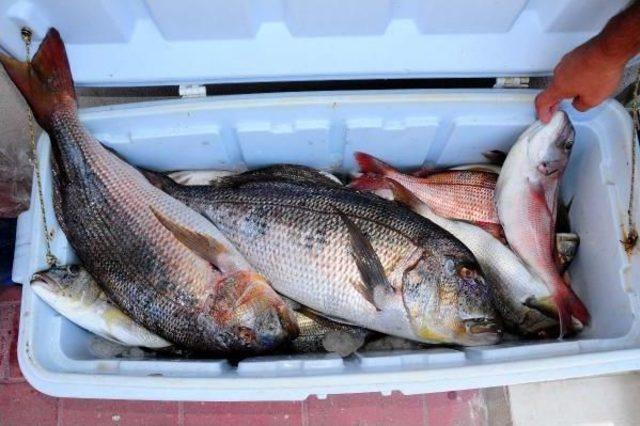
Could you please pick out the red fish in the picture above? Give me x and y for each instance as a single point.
(453, 194)
(527, 200)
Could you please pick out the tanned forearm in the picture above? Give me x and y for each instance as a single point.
(620, 38)
(591, 72)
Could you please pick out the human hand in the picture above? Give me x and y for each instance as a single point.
(587, 74)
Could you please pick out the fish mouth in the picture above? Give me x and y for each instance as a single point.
(547, 172)
(44, 280)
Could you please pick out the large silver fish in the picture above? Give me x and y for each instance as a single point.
(164, 264)
(350, 255)
(521, 296)
(527, 199)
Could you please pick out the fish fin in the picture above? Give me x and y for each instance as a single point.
(279, 173)
(562, 217)
(544, 305)
(551, 198)
(314, 313)
(370, 183)
(159, 180)
(538, 194)
(203, 245)
(45, 82)
(570, 203)
(375, 184)
(495, 156)
(370, 164)
(369, 265)
(569, 306)
(406, 197)
(425, 172)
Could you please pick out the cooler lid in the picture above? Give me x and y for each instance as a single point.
(160, 42)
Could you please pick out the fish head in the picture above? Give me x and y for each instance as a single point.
(253, 316)
(67, 284)
(549, 145)
(448, 300)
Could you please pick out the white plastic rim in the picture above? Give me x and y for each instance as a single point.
(407, 129)
(159, 42)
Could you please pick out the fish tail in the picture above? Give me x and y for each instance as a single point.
(369, 183)
(569, 305)
(45, 82)
(160, 181)
(370, 164)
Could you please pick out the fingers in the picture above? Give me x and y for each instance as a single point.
(547, 103)
(579, 104)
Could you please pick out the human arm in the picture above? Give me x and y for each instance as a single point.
(590, 73)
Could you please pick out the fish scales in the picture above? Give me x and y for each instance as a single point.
(303, 242)
(467, 195)
(132, 239)
(164, 264)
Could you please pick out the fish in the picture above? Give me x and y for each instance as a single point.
(518, 293)
(454, 194)
(162, 263)
(199, 177)
(320, 334)
(223, 178)
(350, 256)
(316, 333)
(482, 167)
(527, 198)
(566, 249)
(75, 295)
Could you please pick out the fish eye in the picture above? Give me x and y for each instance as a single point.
(245, 334)
(467, 273)
(568, 144)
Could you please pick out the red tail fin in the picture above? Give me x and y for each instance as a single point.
(370, 164)
(569, 305)
(369, 183)
(46, 81)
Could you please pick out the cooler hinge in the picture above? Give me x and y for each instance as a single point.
(192, 91)
(511, 83)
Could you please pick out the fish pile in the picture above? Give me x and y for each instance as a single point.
(289, 259)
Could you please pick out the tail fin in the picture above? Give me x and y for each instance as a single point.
(381, 185)
(377, 184)
(369, 183)
(46, 81)
(160, 181)
(569, 305)
(370, 164)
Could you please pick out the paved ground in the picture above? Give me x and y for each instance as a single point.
(20, 404)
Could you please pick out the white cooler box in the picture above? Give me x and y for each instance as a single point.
(160, 42)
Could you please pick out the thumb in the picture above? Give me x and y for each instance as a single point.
(547, 103)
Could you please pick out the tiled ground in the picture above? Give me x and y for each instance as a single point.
(20, 404)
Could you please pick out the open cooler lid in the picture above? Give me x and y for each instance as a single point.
(161, 42)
